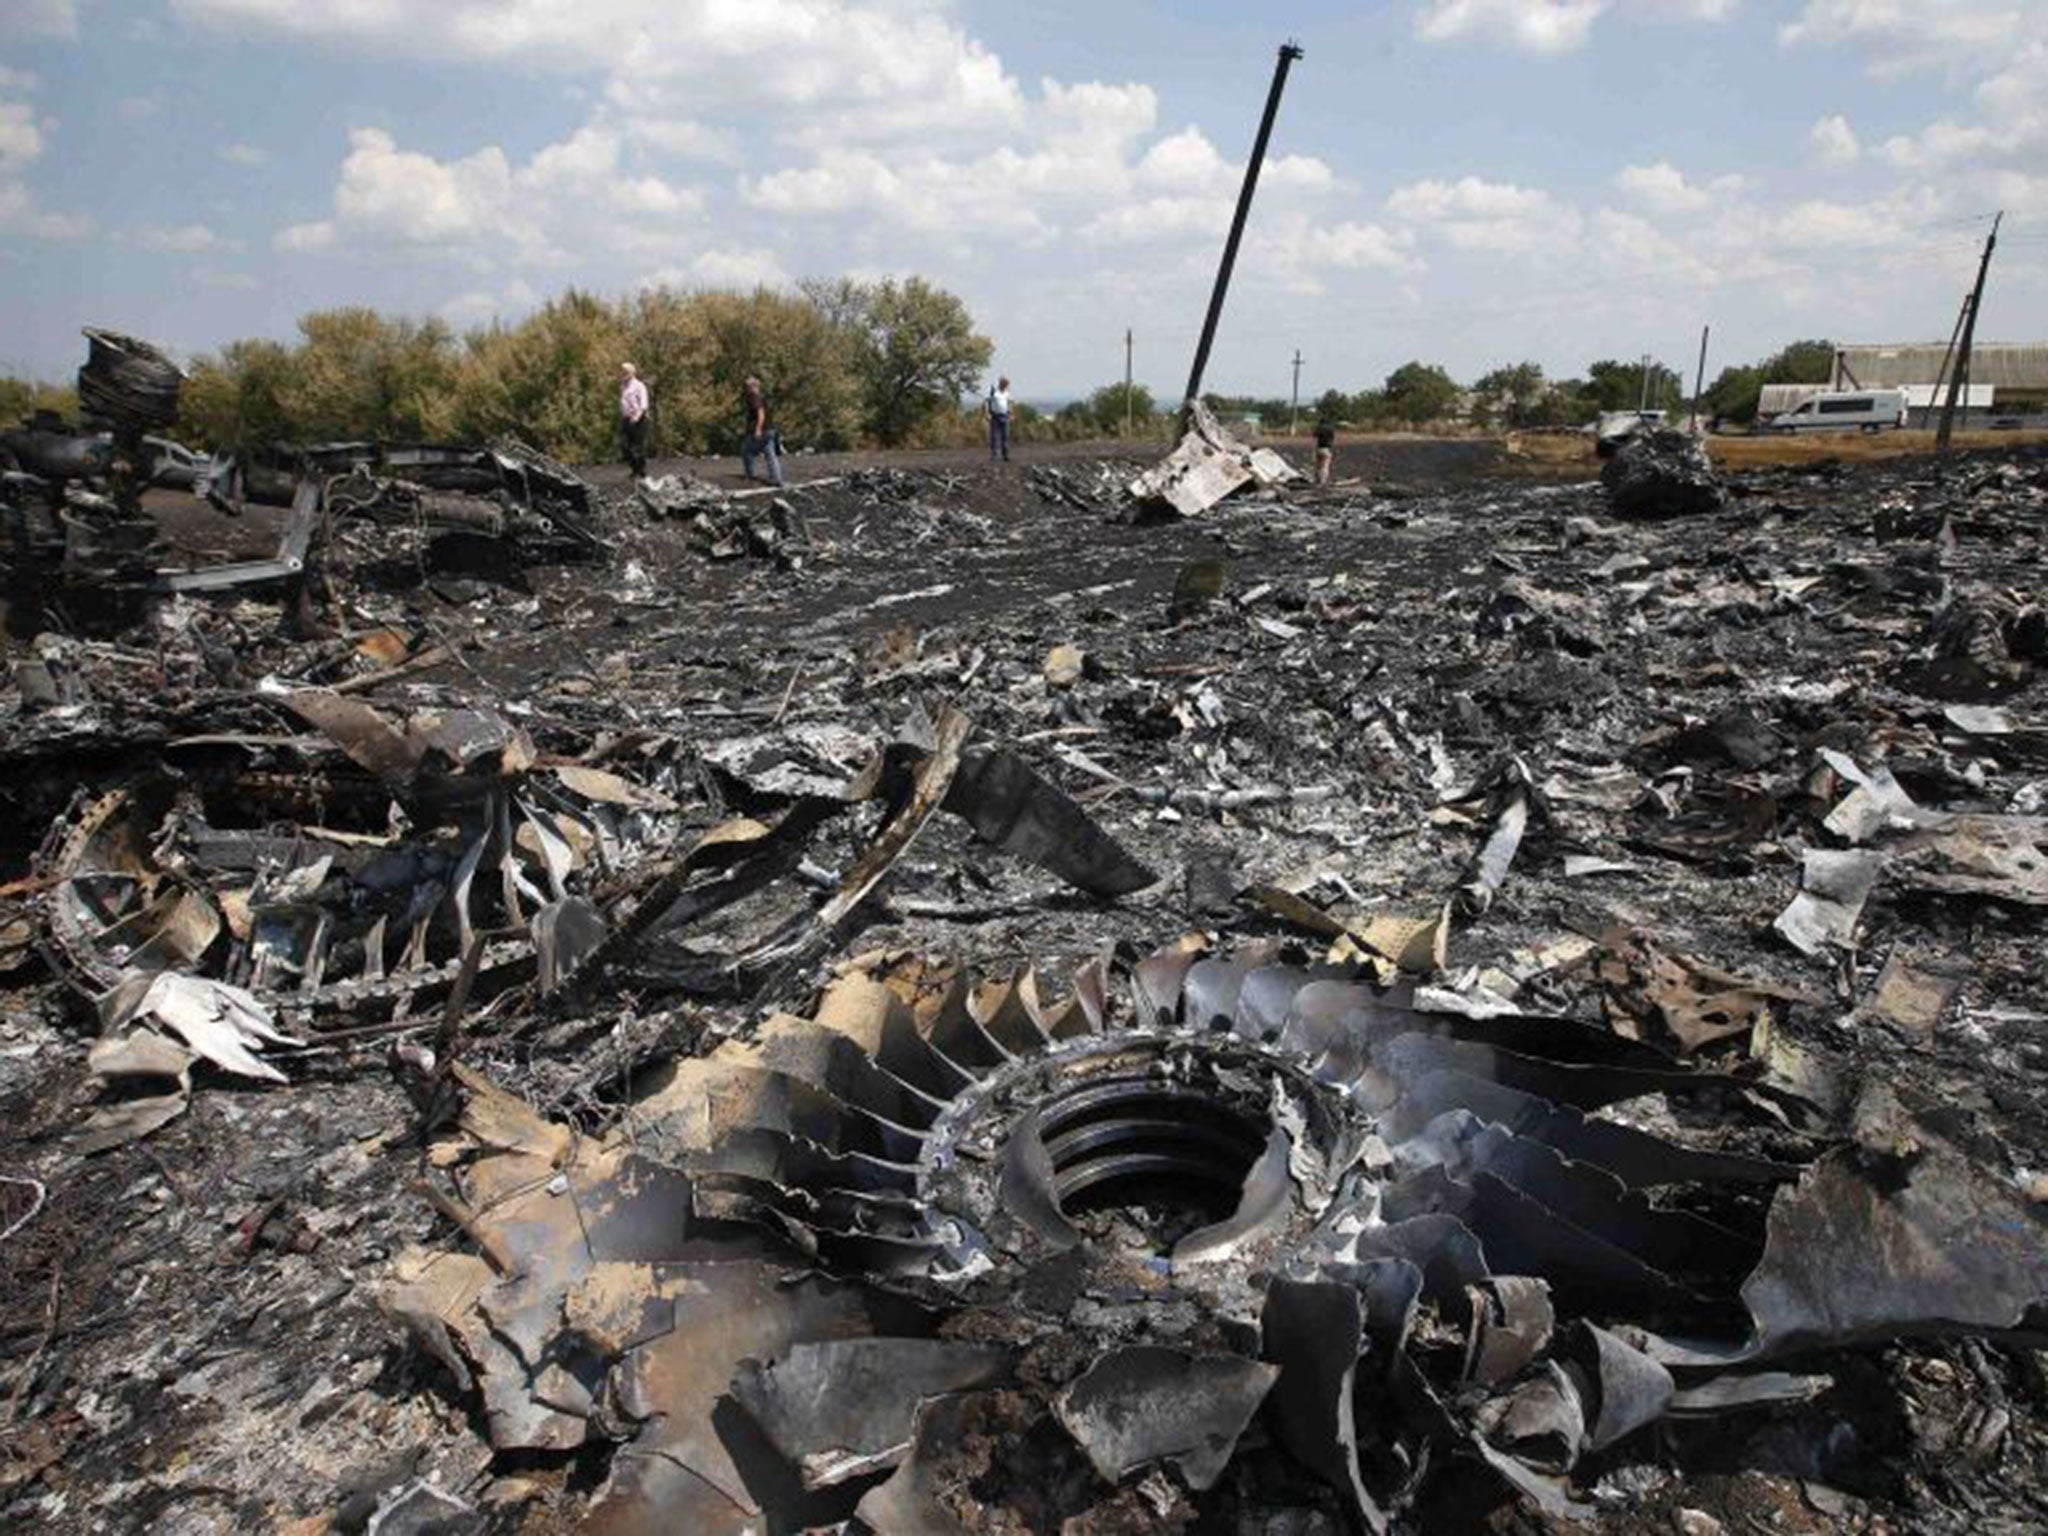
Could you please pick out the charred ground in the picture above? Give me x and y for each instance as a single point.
(1292, 692)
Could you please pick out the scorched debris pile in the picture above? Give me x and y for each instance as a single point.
(931, 1001)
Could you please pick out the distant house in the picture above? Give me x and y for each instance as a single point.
(2006, 378)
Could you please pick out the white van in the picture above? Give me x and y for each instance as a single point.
(1870, 410)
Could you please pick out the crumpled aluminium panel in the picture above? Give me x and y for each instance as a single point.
(1355, 1166)
(292, 881)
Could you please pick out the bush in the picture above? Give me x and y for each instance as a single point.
(843, 363)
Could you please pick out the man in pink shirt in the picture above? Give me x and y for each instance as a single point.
(633, 418)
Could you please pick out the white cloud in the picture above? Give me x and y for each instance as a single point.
(731, 268)
(858, 72)
(1539, 26)
(573, 194)
(181, 239)
(39, 18)
(1348, 246)
(682, 138)
(1832, 142)
(1897, 36)
(1663, 188)
(1479, 215)
(1549, 26)
(1937, 145)
(242, 154)
(1184, 162)
(1157, 220)
(20, 214)
(481, 307)
(23, 138)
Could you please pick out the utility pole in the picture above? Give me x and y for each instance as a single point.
(1127, 381)
(1289, 52)
(1294, 402)
(1699, 382)
(1961, 376)
(1643, 401)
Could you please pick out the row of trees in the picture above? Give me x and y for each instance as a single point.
(844, 362)
(1519, 395)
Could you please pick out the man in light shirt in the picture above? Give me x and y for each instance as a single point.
(999, 421)
(633, 418)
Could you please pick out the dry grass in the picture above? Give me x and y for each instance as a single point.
(1560, 450)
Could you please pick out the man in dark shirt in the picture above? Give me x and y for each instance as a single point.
(759, 437)
(1326, 450)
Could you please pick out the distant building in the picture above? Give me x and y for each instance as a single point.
(2006, 378)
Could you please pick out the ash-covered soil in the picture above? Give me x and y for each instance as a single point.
(1296, 692)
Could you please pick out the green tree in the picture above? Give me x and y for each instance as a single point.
(699, 349)
(1511, 395)
(1616, 386)
(237, 398)
(1420, 392)
(22, 398)
(551, 380)
(358, 374)
(916, 352)
(1107, 405)
(1333, 406)
(1734, 393)
(1372, 405)
(1801, 362)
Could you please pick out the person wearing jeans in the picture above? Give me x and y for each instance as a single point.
(999, 421)
(760, 437)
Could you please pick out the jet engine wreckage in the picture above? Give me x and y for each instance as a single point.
(1193, 1187)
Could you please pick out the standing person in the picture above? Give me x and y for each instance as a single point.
(1326, 449)
(759, 436)
(998, 408)
(633, 419)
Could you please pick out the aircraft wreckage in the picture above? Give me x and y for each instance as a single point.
(841, 1074)
(77, 536)
(1196, 1187)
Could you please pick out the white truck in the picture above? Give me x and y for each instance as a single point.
(1866, 410)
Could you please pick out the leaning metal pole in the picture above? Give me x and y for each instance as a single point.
(1289, 52)
(1959, 380)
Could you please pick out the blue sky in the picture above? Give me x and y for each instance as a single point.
(1471, 182)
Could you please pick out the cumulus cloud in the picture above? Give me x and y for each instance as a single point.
(858, 72)
(1547, 26)
(1832, 142)
(1479, 215)
(484, 207)
(1663, 188)
(1896, 36)
(24, 136)
(1539, 26)
(729, 268)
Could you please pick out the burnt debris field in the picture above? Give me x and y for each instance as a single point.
(954, 997)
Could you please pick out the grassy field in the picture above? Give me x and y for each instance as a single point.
(1760, 452)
